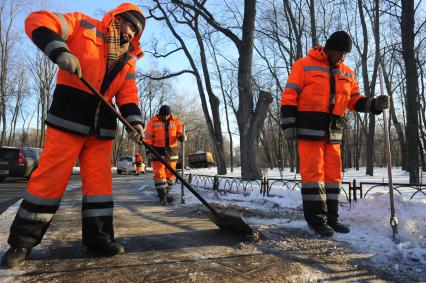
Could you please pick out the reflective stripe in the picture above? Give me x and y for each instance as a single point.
(67, 124)
(293, 86)
(100, 35)
(54, 45)
(96, 212)
(107, 133)
(130, 76)
(41, 201)
(86, 24)
(348, 75)
(65, 28)
(99, 198)
(316, 197)
(355, 94)
(173, 157)
(158, 126)
(337, 136)
(309, 185)
(308, 132)
(333, 196)
(172, 126)
(149, 135)
(134, 118)
(316, 68)
(332, 185)
(42, 217)
(290, 120)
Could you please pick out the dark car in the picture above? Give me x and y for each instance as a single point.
(18, 162)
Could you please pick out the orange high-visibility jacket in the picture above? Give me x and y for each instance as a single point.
(305, 102)
(138, 160)
(163, 136)
(74, 108)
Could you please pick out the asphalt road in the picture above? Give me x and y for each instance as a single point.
(13, 189)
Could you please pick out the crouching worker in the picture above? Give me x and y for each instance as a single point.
(319, 90)
(79, 125)
(163, 132)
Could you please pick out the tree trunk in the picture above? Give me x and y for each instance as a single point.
(412, 86)
(314, 38)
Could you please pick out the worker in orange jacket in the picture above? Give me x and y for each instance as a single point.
(163, 132)
(79, 125)
(138, 163)
(319, 89)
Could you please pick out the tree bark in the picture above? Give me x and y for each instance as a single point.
(412, 86)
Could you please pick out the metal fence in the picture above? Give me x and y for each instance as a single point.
(270, 187)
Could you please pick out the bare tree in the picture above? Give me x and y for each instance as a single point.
(191, 20)
(43, 72)
(9, 9)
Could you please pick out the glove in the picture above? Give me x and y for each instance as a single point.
(138, 134)
(182, 138)
(381, 102)
(69, 62)
(290, 134)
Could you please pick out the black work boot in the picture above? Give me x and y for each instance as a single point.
(162, 195)
(339, 227)
(322, 229)
(333, 212)
(14, 257)
(106, 249)
(169, 197)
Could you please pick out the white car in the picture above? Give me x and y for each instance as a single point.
(125, 165)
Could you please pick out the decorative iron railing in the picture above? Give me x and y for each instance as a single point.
(271, 187)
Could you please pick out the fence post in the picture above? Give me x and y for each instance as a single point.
(265, 185)
(216, 187)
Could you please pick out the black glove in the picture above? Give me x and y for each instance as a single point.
(182, 138)
(381, 102)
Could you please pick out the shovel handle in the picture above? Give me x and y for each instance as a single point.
(150, 147)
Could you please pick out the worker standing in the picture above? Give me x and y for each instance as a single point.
(79, 125)
(163, 132)
(138, 163)
(319, 89)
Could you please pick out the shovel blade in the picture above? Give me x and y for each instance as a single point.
(230, 221)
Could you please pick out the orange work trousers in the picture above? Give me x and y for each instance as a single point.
(320, 162)
(60, 152)
(162, 175)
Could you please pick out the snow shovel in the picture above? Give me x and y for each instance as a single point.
(393, 219)
(226, 221)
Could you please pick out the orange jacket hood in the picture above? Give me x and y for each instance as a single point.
(318, 53)
(109, 18)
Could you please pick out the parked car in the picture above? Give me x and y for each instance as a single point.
(18, 162)
(125, 165)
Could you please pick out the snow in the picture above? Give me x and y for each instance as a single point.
(369, 218)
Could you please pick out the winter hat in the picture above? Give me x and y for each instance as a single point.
(339, 41)
(135, 18)
(164, 110)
